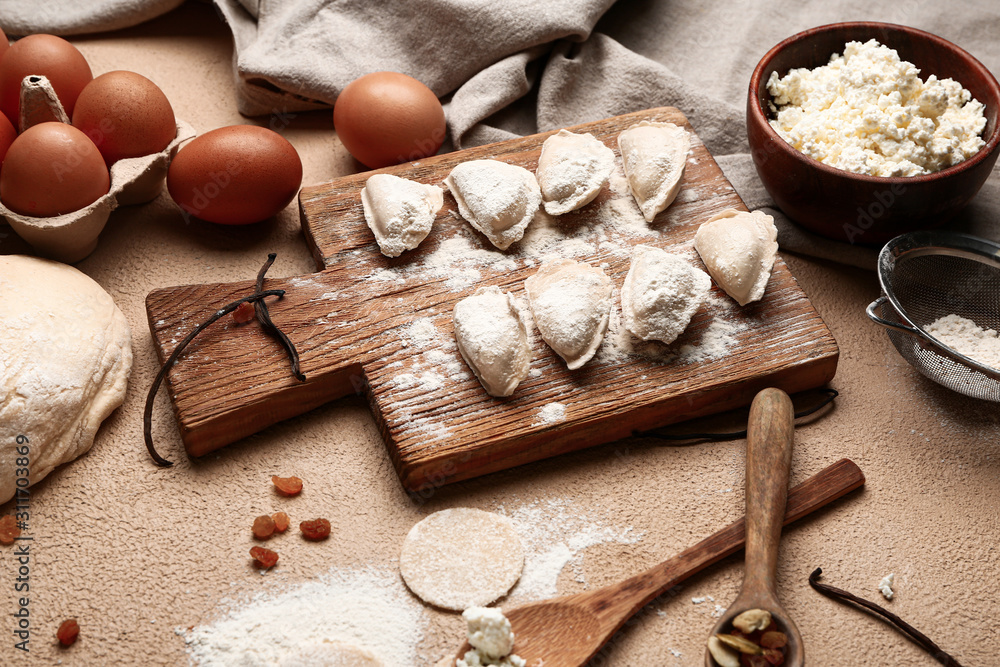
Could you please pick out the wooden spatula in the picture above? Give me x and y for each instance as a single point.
(568, 631)
(770, 433)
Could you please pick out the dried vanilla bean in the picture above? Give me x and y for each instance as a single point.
(263, 316)
(922, 640)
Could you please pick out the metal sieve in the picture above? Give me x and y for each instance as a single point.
(929, 274)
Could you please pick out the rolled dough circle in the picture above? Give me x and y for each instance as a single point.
(65, 359)
(462, 557)
(332, 654)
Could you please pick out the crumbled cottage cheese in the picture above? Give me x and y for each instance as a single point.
(885, 586)
(869, 112)
(491, 639)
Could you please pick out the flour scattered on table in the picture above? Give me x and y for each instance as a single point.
(885, 586)
(551, 413)
(332, 654)
(364, 608)
(555, 536)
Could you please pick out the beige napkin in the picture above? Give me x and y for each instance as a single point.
(78, 17)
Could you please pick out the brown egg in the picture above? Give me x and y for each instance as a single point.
(49, 56)
(386, 118)
(235, 175)
(51, 169)
(7, 136)
(4, 44)
(125, 115)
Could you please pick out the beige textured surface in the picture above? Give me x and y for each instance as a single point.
(134, 551)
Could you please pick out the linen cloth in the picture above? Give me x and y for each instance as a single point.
(512, 67)
(77, 17)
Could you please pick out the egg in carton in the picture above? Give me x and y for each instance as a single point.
(72, 236)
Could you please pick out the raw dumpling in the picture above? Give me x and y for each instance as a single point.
(572, 169)
(739, 248)
(662, 292)
(492, 339)
(654, 155)
(400, 212)
(571, 302)
(497, 198)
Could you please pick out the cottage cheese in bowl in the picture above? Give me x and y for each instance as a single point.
(869, 112)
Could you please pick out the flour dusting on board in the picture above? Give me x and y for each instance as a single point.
(365, 608)
(601, 234)
(552, 413)
(609, 228)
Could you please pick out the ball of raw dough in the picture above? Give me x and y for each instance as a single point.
(65, 358)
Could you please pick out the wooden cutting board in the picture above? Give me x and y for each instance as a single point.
(370, 324)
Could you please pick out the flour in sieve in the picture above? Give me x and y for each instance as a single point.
(366, 608)
(966, 337)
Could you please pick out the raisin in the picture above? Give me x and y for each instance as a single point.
(8, 529)
(317, 529)
(263, 527)
(264, 557)
(281, 521)
(287, 486)
(774, 656)
(773, 639)
(68, 632)
(243, 313)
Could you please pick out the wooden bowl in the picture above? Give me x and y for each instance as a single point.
(857, 208)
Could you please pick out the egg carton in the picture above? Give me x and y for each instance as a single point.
(72, 236)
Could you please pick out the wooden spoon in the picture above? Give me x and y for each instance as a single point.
(568, 631)
(769, 455)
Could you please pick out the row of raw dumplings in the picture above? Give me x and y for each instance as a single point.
(500, 199)
(571, 301)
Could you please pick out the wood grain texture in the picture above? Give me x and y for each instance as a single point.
(770, 436)
(568, 631)
(370, 324)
